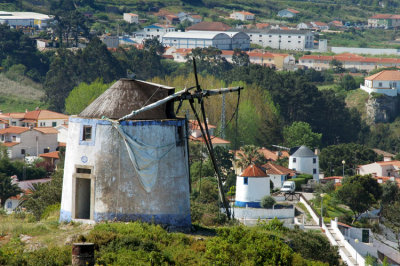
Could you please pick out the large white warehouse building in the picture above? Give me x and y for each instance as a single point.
(282, 39)
(203, 39)
(25, 19)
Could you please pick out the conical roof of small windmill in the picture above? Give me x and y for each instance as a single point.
(253, 171)
(303, 151)
(127, 95)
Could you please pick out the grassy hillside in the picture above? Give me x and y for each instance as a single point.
(18, 96)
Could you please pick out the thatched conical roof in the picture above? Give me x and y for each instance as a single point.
(127, 95)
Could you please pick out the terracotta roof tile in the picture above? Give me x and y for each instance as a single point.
(44, 115)
(10, 144)
(292, 10)
(47, 130)
(275, 169)
(13, 130)
(53, 154)
(194, 125)
(385, 75)
(396, 163)
(253, 171)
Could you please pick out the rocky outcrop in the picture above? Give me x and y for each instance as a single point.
(382, 108)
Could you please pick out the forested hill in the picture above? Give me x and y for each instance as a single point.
(265, 10)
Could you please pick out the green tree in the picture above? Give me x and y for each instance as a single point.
(347, 83)
(240, 58)
(337, 66)
(331, 158)
(267, 202)
(7, 188)
(248, 155)
(84, 94)
(359, 193)
(390, 193)
(300, 133)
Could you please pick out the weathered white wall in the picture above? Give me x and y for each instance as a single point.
(305, 165)
(260, 213)
(49, 122)
(118, 192)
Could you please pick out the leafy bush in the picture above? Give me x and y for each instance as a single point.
(267, 202)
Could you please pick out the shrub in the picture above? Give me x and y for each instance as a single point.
(267, 202)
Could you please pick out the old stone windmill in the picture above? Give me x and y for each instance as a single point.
(123, 165)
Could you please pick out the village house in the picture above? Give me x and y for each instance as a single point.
(380, 169)
(387, 156)
(278, 174)
(349, 61)
(131, 18)
(197, 136)
(299, 40)
(50, 157)
(385, 82)
(192, 18)
(318, 25)
(28, 141)
(304, 26)
(242, 15)
(336, 24)
(26, 186)
(386, 21)
(209, 26)
(62, 135)
(303, 160)
(288, 13)
(155, 31)
(36, 118)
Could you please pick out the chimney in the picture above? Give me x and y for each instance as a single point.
(317, 152)
(37, 108)
(26, 110)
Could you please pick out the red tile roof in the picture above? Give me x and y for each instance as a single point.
(385, 16)
(385, 75)
(10, 144)
(333, 177)
(194, 125)
(319, 23)
(62, 144)
(292, 10)
(244, 13)
(44, 115)
(209, 26)
(53, 154)
(351, 58)
(274, 169)
(47, 130)
(13, 130)
(253, 171)
(396, 163)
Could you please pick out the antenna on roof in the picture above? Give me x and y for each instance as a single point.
(281, 147)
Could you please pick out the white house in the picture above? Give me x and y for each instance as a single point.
(242, 15)
(304, 161)
(25, 186)
(157, 31)
(278, 174)
(62, 134)
(304, 26)
(25, 19)
(385, 82)
(282, 39)
(288, 13)
(380, 169)
(135, 169)
(36, 118)
(251, 186)
(319, 25)
(25, 141)
(197, 136)
(192, 18)
(131, 18)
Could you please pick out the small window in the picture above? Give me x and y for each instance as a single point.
(289, 36)
(380, 84)
(245, 180)
(314, 160)
(14, 138)
(87, 133)
(83, 171)
(298, 41)
(13, 123)
(46, 150)
(260, 35)
(9, 204)
(314, 171)
(23, 151)
(394, 84)
(294, 160)
(54, 124)
(289, 41)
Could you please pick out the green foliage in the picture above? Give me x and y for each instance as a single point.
(359, 193)
(300, 133)
(267, 202)
(7, 188)
(83, 95)
(392, 219)
(390, 193)
(300, 181)
(353, 154)
(249, 155)
(347, 83)
(43, 195)
(201, 169)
